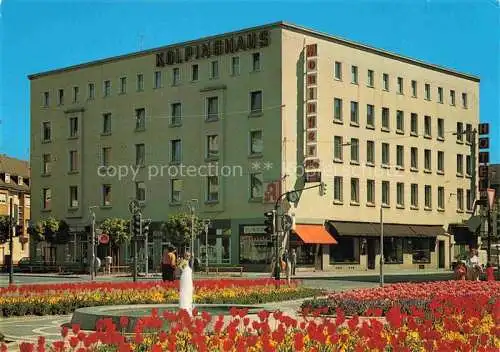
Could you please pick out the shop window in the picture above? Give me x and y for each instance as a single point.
(420, 248)
(393, 250)
(255, 249)
(345, 252)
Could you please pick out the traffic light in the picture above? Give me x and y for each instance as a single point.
(19, 231)
(136, 225)
(322, 189)
(145, 228)
(270, 222)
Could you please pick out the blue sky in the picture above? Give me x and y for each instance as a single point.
(44, 35)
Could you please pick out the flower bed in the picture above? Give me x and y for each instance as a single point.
(478, 330)
(377, 301)
(65, 298)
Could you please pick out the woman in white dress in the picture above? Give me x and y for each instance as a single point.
(186, 284)
(473, 266)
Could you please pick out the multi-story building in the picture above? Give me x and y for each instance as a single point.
(15, 186)
(234, 119)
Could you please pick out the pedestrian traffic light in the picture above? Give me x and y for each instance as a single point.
(19, 231)
(145, 228)
(136, 225)
(322, 189)
(270, 222)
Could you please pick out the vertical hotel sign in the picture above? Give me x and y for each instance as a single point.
(484, 159)
(311, 161)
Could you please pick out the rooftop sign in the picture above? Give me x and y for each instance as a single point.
(216, 47)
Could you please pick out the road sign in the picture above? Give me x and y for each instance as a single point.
(134, 206)
(491, 197)
(104, 238)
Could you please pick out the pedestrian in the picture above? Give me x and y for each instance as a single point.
(287, 266)
(490, 272)
(461, 271)
(293, 261)
(97, 265)
(473, 265)
(168, 264)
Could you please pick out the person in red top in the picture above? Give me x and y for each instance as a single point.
(490, 274)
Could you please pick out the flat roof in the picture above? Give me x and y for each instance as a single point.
(281, 24)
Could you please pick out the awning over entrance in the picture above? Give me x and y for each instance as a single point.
(370, 229)
(314, 234)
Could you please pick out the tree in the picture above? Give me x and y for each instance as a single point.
(50, 230)
(178, 229)
(119, 233)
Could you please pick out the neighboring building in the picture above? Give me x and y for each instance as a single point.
(494, 178)
(15, 185)
(262, 103)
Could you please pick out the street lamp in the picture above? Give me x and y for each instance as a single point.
(92, 244)
(206, 223)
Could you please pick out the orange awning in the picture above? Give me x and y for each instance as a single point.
(315, 234)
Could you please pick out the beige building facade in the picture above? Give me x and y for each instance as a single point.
(235, 119)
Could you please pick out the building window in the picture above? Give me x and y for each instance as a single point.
(106, 123)
(468, 166)
(464, 100)
(460, 199)
(338, 70)
(440, 126)
(370, 116)
(354, 74)
(46, 198)
(256, 102)
(345, 252)
(400, 194)
(337, 109)
(414, 195)
(427, 126)
(61, 97)
(214, 69)
(235, 66)
(73, 161)
(400, 121)
(427, 91)
(195, 72)
(140, 82)
(73, 197)
(370, 192)
(337, 148)
(468, 133)
(91, 89)
(469, 202)
(256, 185)
(157, 79)
(212, 108)
(176, 76)
(175, 113)
(256, 62)
(45, 99)
(371, 78)
(354, 150)
(212, 188)
(175, 151)
(414, 124)
(414, 88)
(427, 160)
(106, 195)
(460, 132)
(385, 154)
(421, 250)
(440, 95)
(355, 190)
(123, 85)
(106, 156)
(414, 158)
(460, 165)
(385, 119)
(428, 196)
(107, 88)
(400, 85)
(140, 191)
(337, 189)
(27, 201)
(140, 154)
(212, 146)
(385, 193)
(76, 91)
(440, 162)
(176, 190)
(440, 197)
(370, 152)
(256, 143)
(354, 113)
(385, 81)
(400, 161)
(73, 127)
(46, 164)
(140, 119)
(452, 97)
(46, 131)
